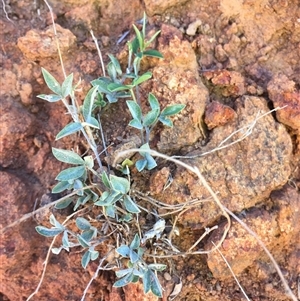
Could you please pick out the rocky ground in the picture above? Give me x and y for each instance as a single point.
(229, 62)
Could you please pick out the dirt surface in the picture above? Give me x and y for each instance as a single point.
(229, 62)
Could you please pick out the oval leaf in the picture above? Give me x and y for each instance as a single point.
(48, 232)
(50, 97)
(66, 87)
(130, 205)
(63, 204)
(69, 129)
(71, 173)
(172, 110)
(85, 259)
(82, 223)
(51, 82)
(151, 117)
(134, 109)
(119, 184)
(67, 156)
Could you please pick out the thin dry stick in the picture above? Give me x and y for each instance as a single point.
(56, 38)
(196, 171)
(48, 256)
(246, 130)
(96, 274)
(5, 12)
(31, 214)
(230, 269)
(99, 52)
(285, 284)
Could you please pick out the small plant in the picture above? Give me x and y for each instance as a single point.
(113, 195)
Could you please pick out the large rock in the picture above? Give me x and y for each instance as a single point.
(242, 174)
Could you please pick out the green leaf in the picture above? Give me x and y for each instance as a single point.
(134, 257)
(136, 124)
(122, 273)
(69, 129)
(157, 266)
(71, 173)
(142, 78)
(153, 38)
(151, 117)
(134, 45)
(166, 121)
(88, 235)
(153, 53)
(63, 204)
(89, 162)
(85, 259)
(115, 87)
(130, 205)
(172, 110)
(119, 184)
(61, 186)
(141, 164)
(154, 104)
(123, 250)
(55, 223)
(108, 199)
(82, 223)
(51, 82)
(110, 211)
(92, 122)
(147, 281)
(94, 254)
(50, 97)
(88, 103)
(155, 286)
(124, 281)
(151, 163)
(65, 240)
(67, 156)
(135, 242)
(139, 37)
(82, 241)
(66, 87)
(105, 179)
(48, 232)
(134, 109)
(116, 64)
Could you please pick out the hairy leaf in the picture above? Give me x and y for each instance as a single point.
(67, 156)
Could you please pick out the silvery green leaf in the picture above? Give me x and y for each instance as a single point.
(71, 173)
(154, 104)
(124, 281)
(166, 121)
(155, 285)
(136, 124)
(153, 53)
(51, 82)
(85, 259)
(56, 251)
(65, 240)
(110, 211)
(67, 156)
(135, 242)
(142, 78)
(172, 110)
(151, 163)
(89, 102)
(50, 97)
(89, 161)
(133, 256)
(141, 164)
(94, 255)
(83, 242)
(116, 63)
(48, 232)
(88, 235)
(157, 266)
(105, 179)
(134, 109)
(69, 129)
(66, 86)
(61, 186)
(82, 223)
(122, 273)
(151, 117)
(63, 204)
(123, 250)
(147, 281)
(130, 205)
(119, 184)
